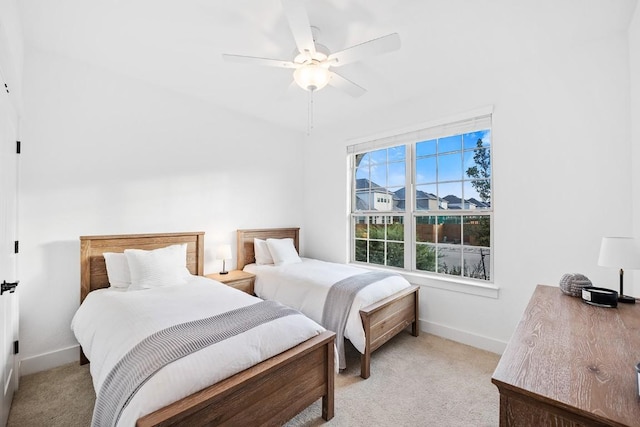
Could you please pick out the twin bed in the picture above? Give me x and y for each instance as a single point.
(268, 387)
(379, 312)
(263, 373)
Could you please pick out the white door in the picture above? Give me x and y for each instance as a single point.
(8, 233)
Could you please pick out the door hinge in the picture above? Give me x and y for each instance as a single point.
(17, 147)
(6, 88)
(8, 287)
(16, 347)
(16, 247)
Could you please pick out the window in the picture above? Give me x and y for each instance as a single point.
(443, 224)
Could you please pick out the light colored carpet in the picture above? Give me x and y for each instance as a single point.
(423, 381)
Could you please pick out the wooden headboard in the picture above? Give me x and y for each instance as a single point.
(93, 271)
(246, 254)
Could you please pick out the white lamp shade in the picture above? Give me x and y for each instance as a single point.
(224, 252)
(619, 252)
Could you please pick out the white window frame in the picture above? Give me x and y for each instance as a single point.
(462, 123)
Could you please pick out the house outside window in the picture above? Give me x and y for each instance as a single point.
(443, 224)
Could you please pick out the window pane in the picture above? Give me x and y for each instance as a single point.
(468, 163)
(362, 201)
(426, 229)
(363, 160)
(477, 163)
(395, 228)
(425, 257)
(477, 263)
(450, 167)
(397, 175)
(449, 229)
(379, 177)
(363, 183)
(477, 230)
(426, 198)
(426, 148)
(361, 250)
(451, 195)
(450, 143)
(376, 253)
(397, 154)
(450, 260)
(395, 254)
(397, 195)
(399, 199)
(478, 194)
(376, 227)
(426, 170)
(471, 139)
(361, 227)
(362, 173)
(378, 157)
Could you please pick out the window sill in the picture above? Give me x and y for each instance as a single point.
(449, 284)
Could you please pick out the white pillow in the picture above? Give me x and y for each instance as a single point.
(160, 267)
(261, 252)
(117, 269)
(283, 251)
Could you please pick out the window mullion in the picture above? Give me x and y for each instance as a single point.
(409, 247)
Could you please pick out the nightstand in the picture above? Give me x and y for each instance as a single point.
(236, 279)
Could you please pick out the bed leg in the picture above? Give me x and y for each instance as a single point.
(415, 326)
(83, 358)
(328, 407)
(365, 364)
(365, 358)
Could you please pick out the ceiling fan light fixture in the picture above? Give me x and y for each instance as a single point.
(312, 76)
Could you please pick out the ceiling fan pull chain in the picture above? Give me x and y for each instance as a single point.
(310, 114)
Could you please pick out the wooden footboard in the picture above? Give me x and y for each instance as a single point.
(381, 321)
(385, 319)
(267, 394)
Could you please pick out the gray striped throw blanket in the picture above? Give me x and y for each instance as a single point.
(338, 303)
(170, 344)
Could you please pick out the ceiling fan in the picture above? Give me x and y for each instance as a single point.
(313, 64)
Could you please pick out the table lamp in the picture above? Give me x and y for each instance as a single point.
(620, 252)
(224, 253)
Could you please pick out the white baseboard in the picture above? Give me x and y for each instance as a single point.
(485, 343)
(43, 362)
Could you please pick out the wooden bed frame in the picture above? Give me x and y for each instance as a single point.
(381, 321)
(269, 393)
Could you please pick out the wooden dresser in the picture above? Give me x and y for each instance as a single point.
(570, 364)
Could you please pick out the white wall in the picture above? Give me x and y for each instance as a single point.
(11, 51)
(634, 67)
(104, 154)
(562, 173)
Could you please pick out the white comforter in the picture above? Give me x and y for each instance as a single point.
(110, 322)
(304, 286)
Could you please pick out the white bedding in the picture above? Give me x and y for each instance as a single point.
(304, 286)
(111, 321)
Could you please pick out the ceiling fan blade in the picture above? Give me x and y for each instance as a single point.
(299, 23)
(258, 61)
(377, 46)
(346, 85)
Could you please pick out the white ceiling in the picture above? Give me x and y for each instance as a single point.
(177, 44)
